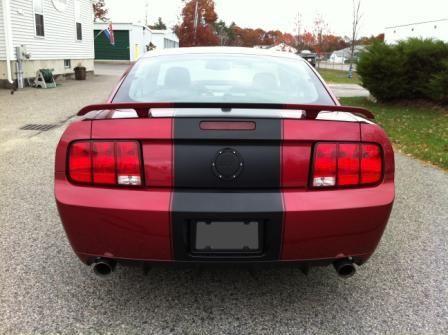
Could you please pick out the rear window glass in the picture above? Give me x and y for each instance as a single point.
(222, 78)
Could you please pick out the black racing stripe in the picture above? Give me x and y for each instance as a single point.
(196, 150)
(200, 194)
(189, 129)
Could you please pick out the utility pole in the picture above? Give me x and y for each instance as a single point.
(357, 15)
(196, 21)
(146, 13)
(299, 29)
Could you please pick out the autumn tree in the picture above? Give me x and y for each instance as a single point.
(308, 41)
(370, 40)
(320, 28)
(99, 10)
(332, 42)
(198, 24)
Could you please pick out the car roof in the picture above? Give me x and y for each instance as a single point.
(221, 51)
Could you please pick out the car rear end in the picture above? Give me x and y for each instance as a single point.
(224, 182)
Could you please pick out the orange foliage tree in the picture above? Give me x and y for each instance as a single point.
(203, 32)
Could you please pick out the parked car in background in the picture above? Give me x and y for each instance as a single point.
(309, 56)
(224, 155)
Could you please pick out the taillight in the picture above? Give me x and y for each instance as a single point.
(346, 164)
(105, 163)
(80, 158)
(128, 163)
(371, 164)
(325, 168)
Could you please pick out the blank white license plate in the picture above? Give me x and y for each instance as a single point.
(227, 236)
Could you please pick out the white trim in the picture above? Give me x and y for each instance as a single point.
(8, 38)
(34, 19)
(78, 19)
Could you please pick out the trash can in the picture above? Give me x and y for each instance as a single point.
(80, 73)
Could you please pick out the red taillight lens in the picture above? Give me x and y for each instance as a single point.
(325, 165)
(128, 163)
(346, 164)
(80, 162)
(371, 164)
(105, 163)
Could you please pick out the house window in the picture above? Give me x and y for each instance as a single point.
(67, 63)
(78, 31)
(78, 20)
(167, 44)
(39, 17)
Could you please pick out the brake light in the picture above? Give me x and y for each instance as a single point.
(346, 164)
(103, 156)
(371, 164)
(105, 163)
(325, 167)
(80, 158)
(128, 163)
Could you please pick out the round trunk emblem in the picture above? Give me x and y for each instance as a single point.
(228, 164)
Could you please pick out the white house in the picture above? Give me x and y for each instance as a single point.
(343, 55)
(54, 34)
(131, 41)
(437, 29)
(164, 39)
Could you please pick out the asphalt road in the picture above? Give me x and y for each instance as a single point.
(403, 289)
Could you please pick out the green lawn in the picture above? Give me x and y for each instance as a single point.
(339, 77)
(421, 131)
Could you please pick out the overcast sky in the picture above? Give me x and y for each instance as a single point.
(281, 14)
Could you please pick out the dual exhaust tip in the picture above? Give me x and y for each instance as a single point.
(104, 267)
(344, 268)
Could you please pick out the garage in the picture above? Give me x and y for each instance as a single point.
(131, 41)
(106, 51)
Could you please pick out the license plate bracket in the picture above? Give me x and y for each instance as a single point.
(226, 237)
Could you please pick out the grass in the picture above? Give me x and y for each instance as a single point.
(416, 129)
(339, 77)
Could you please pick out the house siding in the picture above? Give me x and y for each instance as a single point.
(60, 40)
(437, 30)
(2, 35)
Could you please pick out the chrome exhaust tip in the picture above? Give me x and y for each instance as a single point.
(103, 267)
(344, 268)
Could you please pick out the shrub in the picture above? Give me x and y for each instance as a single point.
(381, 71)
(438, 85)
(412, 69)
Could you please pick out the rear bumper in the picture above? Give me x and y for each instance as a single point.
(140, 225)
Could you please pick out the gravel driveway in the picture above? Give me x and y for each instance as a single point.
(45, 289)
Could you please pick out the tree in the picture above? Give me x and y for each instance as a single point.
(198, 24)
(356, 19)
(159, 25)
(223, 32)
(99, 10)
(369, 40)
(332, 42)
(320, 28)
(308, 41)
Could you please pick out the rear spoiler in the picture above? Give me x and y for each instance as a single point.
(143, 108)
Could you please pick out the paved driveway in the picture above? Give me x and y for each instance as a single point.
(45, 289)
(348, 90)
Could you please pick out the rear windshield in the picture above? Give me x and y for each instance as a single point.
(222, 78)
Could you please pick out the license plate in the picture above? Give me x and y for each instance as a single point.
(230, 236)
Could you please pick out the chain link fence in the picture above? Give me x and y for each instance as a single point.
(333, 61)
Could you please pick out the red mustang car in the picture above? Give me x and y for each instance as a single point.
(224, 155)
